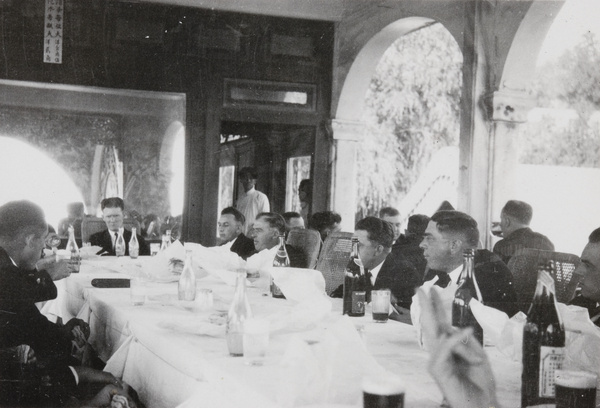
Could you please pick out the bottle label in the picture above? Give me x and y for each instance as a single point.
(551, 359)
(358, 302)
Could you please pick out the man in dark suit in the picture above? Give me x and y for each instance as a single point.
(231, 227)
(23, 230)
(386, 269)
(112, 213)
(589, 267)
(447, 235)
(265, 233)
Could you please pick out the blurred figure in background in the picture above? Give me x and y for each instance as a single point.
(408, 243)
(151, 227)
(514, 222)
(589, 267)
(75, 214)
(250, 202)
(392, 216)
(293, 220)
(305, 196)
(325, 222)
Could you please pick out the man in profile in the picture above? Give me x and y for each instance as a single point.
(385, 268)
(589, 267)
(448, 235)
(112, 213)
(392, 216)
(23, 230)
(408, 243)
(293, 220)
(325, 222)
(514, 222)
(265, 233)
(231, 235)
(251, 202)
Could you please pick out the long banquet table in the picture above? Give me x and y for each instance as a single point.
(175, 354)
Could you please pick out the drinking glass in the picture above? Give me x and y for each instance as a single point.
(137, 290)
(154, 248)
(575, 389)
(380, 304)
(255, 341)
(380, 392)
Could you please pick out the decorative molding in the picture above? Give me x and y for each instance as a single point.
(348, 130)
(511, 106)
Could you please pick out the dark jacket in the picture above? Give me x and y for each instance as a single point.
(20, 320)
(400, 276)
(494, 280)
(104, 240)
(243, 246)
(521, 238)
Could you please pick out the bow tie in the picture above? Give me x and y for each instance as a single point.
(443, 277)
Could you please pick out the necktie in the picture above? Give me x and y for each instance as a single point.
(443, 277)
(115, 243)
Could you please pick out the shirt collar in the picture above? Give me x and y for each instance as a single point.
(455, 274)
(375, 272)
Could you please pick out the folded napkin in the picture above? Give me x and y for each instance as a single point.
(88, 252)
(299, 284)
(303, 316)
(319, 373)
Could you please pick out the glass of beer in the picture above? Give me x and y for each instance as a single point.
(575, 389)
(383, 392)
(380, 304)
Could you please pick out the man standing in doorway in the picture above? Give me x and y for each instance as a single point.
(251, 202)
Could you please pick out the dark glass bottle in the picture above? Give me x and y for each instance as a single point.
(281, 260)
(355, 287)
(543, 344)
(462, 316)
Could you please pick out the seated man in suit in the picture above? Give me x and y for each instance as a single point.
(386, 269)
(447, 235)
(514, 222)
(293, 220)
(112, 213)
(23, 230)
(265, 233)
(231, 227)
(589, 296)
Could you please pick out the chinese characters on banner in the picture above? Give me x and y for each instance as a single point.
(53, 31)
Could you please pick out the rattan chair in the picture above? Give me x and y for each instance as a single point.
(524, 265)
(309, 241)
(91, 225)
(334, 258)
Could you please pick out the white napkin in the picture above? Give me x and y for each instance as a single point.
(303, 316)
(299, 284)
(320, 373)
(87, 252)
(446, 295)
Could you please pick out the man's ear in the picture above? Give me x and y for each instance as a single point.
(29, 238)
(456, 246)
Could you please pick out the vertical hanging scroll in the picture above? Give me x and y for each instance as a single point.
(53, 31)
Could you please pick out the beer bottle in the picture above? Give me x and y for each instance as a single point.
(355, 287)
(543, 344)
(239, 311)
(120, 244)
(187, 280)
(72, 247)
(134, 245)
(281, 260)
(462, 316)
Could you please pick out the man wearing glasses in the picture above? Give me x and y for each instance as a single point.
(589, 267)
(112, 213)
(448, 234)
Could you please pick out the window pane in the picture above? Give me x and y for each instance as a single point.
(298, 169)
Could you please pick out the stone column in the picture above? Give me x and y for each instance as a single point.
(347, 135)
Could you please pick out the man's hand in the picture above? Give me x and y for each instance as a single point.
(105, 397)
(458, 362)
(56, 269)
(83, 326)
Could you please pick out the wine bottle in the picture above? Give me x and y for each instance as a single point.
(120, 243)
(239, 311)
(462, 316)
(543, 344)
(281, 260)
(355, 288)
(134, 245)
(187, 280)
(72, 247)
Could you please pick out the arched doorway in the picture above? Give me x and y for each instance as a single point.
(29, 174)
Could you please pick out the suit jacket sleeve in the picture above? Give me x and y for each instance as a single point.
(401, 277)
(102, 239)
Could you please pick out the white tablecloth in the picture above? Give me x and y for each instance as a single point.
(173, 356)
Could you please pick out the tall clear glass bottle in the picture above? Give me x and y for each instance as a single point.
(239, 311)
(166, 240)
(462, 316)
(120, 246)
(134, 245)
(355, 289)
(187, 280)
(72, 247)
(543, 344)
(281, 260)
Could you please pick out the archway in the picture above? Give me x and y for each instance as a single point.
(29, 174)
